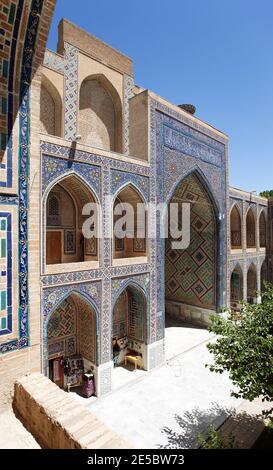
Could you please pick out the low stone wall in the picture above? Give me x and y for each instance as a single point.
(57, 421)
(188, 313)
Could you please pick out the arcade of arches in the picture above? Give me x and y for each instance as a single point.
(72, 341)
(252, 291)
(190, 274)
(236, 229)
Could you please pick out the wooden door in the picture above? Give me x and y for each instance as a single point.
(54, 247)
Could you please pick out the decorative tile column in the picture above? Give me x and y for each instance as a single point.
(128, 86)
(71, 91)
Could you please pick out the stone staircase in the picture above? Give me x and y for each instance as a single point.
(56, 421)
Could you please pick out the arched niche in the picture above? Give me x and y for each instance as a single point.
(65, 240)
(262, 230)
(235, 228)
(129, 205)
(252, 284)
(71, 333)
(100, 114)
(51, 109)
(236, 287)
(191, 273)
(250, 229)
(129, 331)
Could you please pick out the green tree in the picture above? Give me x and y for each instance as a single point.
(214, 440)
(244, 348)
(268, 193)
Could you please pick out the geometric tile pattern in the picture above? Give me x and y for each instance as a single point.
(87, 331)
(92, 158)
(63, 328)
(120, 178)
(71, 91)
(5, 274)
(113, 174)
(63, 321)
(21, 86)
(188, 141)
(52, 298)
(128, 86)
(190, 273)
(118, 285)
(55, 167)
(23, 169)
(180, 146)
(11, 13)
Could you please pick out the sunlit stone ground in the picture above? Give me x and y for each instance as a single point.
(170, 406)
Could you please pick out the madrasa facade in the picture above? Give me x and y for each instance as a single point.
(77, 129)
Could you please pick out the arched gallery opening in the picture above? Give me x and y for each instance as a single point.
(129, 337)
(129, 215)
(262, 230)
(65, 241)
(191, 273)
(236, 287)
(71, 342)
(50, 109)
(235, 228)
(100, 114)
(250, 229)
(252, 284)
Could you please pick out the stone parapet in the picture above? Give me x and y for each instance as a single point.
(57, 421)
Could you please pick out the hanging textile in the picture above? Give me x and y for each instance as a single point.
(56, 370)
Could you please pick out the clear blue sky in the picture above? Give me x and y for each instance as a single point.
(216, 54)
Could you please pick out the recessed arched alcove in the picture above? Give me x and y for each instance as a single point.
(236, 287)
(250, 229)
(65, 240)
(100, 114)
(191, 273)
(129, 333)
(235, 228)
(71, 347)
(262, 230)
(129, 215)
(51, 109)
(252, 284)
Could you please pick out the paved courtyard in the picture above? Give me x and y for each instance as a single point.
(170, 406)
